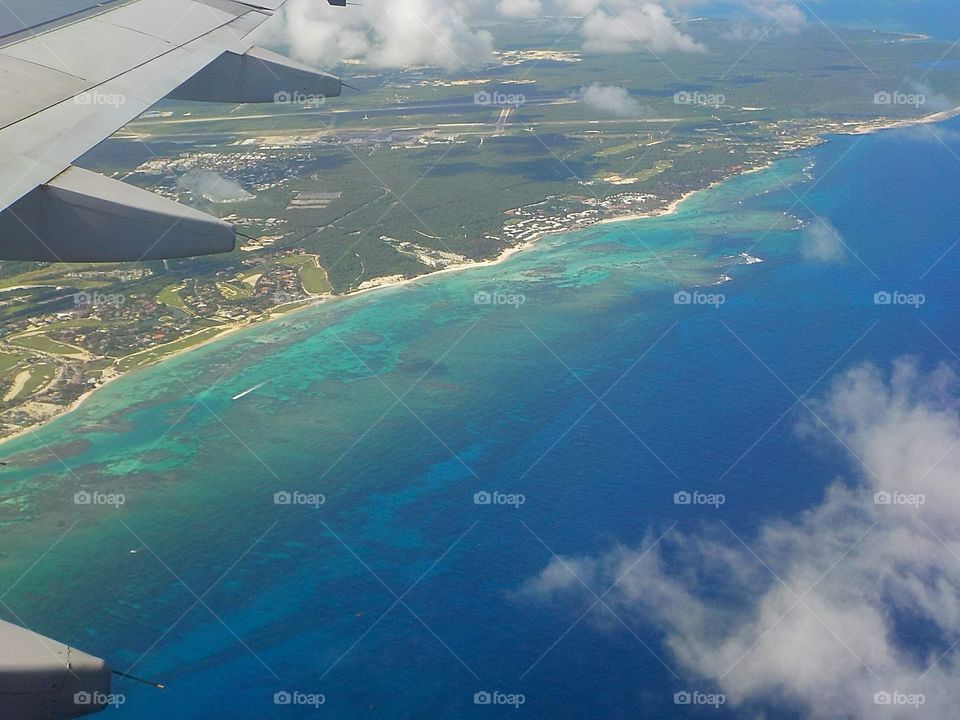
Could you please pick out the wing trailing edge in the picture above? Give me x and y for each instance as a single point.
(81, 216)
(257, 76)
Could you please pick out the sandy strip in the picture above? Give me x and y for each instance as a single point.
(18, 384)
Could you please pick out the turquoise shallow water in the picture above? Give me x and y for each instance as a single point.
(597, 399)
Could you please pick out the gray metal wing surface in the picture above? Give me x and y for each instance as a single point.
(69, 85)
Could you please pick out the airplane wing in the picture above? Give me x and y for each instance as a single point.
(42, 679)
(70, 85)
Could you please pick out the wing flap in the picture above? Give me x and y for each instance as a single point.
(258, 76)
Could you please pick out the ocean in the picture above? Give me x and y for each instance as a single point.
(937, 18)
(358, 526)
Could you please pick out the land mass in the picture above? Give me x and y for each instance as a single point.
(428, 173)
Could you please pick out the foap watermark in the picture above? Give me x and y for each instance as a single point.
(509, 299)
(99, 499)
(699, 99)
(298, 98)
(695, 697)
(514, 500)
(899, 299)
(898, 98)
(86, 299)
(714, 500)
(686, 297)
(95, 97)
(295, 698)
(900, 699)
(496, 98)
(899, 498)
(495, 697)
(282, 298)
(98, 699)
(299, 499)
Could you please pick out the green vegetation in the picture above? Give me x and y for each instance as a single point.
(233, 291)
(41, 375)
(170, 296)
(313, 277)
(46, 344)
(8, 361)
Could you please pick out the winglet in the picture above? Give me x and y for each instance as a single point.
(258, 76)
(81, 216)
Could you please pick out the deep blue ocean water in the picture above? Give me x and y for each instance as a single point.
(938, 18)
(400, 405)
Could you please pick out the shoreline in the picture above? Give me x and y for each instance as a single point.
(865, 128)
(270, 316)
(672, 208)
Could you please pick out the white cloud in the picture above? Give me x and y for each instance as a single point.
(520, 8)
(443, 33)
(932, 100)
(384, 33)
(929, 133)
(626, 26)
(858, 578)
(212, 186)
(618, 26)
(775, 16)
(784, 15)
(822, 242)
(611, 100)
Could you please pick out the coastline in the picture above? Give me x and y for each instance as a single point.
(270, 316)
(870, 128)
(861, 128)
(669, 209)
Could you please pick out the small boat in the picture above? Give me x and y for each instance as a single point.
(247, 392)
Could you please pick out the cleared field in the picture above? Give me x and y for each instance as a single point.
(8, 361)
(16, 386)
(45, 344)
(635, 145)
(41, 375)
(170, 296)
(76, 323)
(52, 276)
(313, 277)
(251, 278)
(231, 291)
